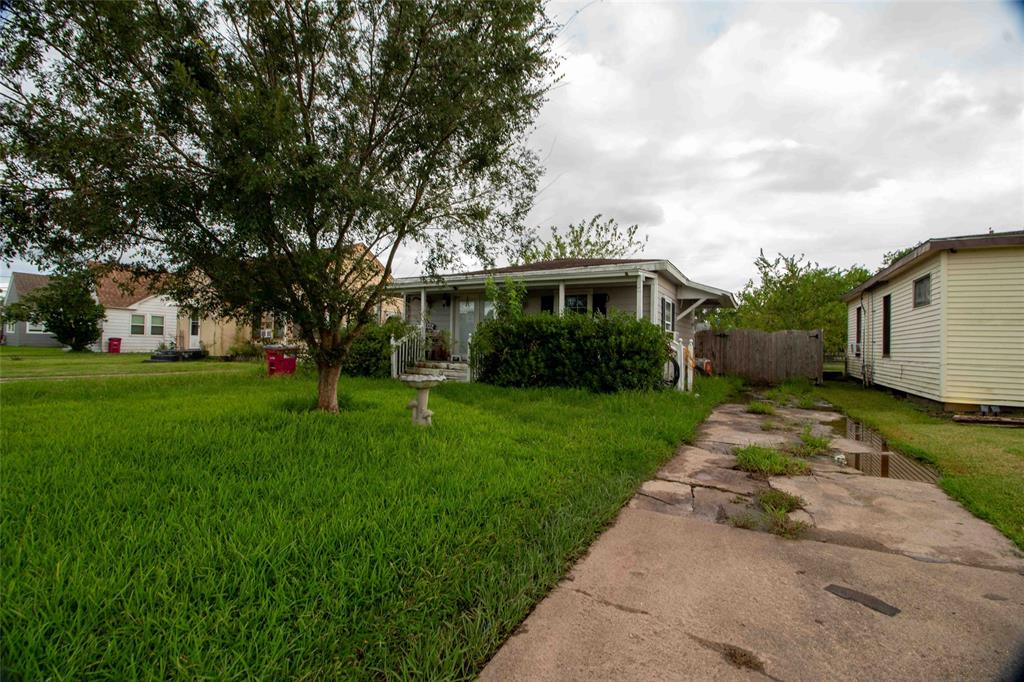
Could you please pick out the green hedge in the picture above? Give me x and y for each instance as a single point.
(599, 353)
(370, 353)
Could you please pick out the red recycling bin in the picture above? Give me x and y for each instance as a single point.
(113, 345)
(280, 361)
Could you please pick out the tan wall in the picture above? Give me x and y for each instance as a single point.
(984, 354)
(217, 336)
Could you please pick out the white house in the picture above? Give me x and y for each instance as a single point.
(142, 320)
(945, 322)
(652, 289)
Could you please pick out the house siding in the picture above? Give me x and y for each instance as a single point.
(118, 325)
(217, 336)
(985, 327)
(20, 335)
(914, 364)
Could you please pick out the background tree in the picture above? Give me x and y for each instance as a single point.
(891, 257)
(269, 157)
(586, 239)
(792, 293)
(66, 308)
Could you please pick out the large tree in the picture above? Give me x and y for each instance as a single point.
(793, 293)
(269, 157)
(596, 238)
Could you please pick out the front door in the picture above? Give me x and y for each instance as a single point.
(465, 325)
(193, 332)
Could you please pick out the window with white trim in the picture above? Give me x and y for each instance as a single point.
(194, 325)
(138, 325)
(156, 325)
(668, 314)
(36, 328)
(576, 303)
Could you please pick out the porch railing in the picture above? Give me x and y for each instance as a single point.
(406, 351)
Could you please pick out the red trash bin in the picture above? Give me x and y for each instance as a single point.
(113, 345)
(279, 361)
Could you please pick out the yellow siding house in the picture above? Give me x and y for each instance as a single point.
(945, 322)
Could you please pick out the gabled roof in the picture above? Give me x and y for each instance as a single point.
(936, 245)
(123, 289)
(24, 282)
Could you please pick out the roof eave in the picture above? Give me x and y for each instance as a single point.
(581, 272)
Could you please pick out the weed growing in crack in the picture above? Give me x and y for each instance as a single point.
(745, 520)
(778, 500)
(779, 523)
(760, 407)
(811, 445)
(769, 462)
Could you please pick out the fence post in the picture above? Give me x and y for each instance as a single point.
(394, 359)
(689, 366)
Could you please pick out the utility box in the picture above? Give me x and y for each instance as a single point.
(280, 360)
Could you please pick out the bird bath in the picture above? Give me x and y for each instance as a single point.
(422, 383)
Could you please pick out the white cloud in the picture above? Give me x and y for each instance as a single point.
(841, 132)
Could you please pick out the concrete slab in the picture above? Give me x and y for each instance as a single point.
(718, 505)
(912, 518)
(737, 432)
(668, 492)
(697, 466)
(807, 416)
(666, 598)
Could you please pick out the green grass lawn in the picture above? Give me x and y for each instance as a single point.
(21, 362)
(212, 527)
(982, 466)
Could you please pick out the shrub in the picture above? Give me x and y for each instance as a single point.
(370, 352)
(769, 462)
(599, 353)
(245, 349)
(760, 407)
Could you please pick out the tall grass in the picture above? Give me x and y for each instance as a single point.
(213, 527)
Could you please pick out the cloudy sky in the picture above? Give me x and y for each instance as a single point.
(840, 131)
(836, 130)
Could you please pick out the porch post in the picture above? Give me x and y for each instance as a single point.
(423, 313)
(640, 296)
(561, 299)
(654, 300)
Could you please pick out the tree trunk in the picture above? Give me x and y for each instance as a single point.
(327, 387)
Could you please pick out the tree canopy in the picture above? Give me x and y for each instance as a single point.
(595, 238)
(269, 156)
(792, 293)
(65, 307)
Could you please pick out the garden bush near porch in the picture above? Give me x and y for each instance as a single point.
(213, 527)
(596, 353)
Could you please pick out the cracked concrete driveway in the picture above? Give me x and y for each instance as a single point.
(673, 591)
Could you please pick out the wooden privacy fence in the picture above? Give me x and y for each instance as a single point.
(763, 357)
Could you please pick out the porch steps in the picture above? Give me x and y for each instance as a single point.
(453, 371)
